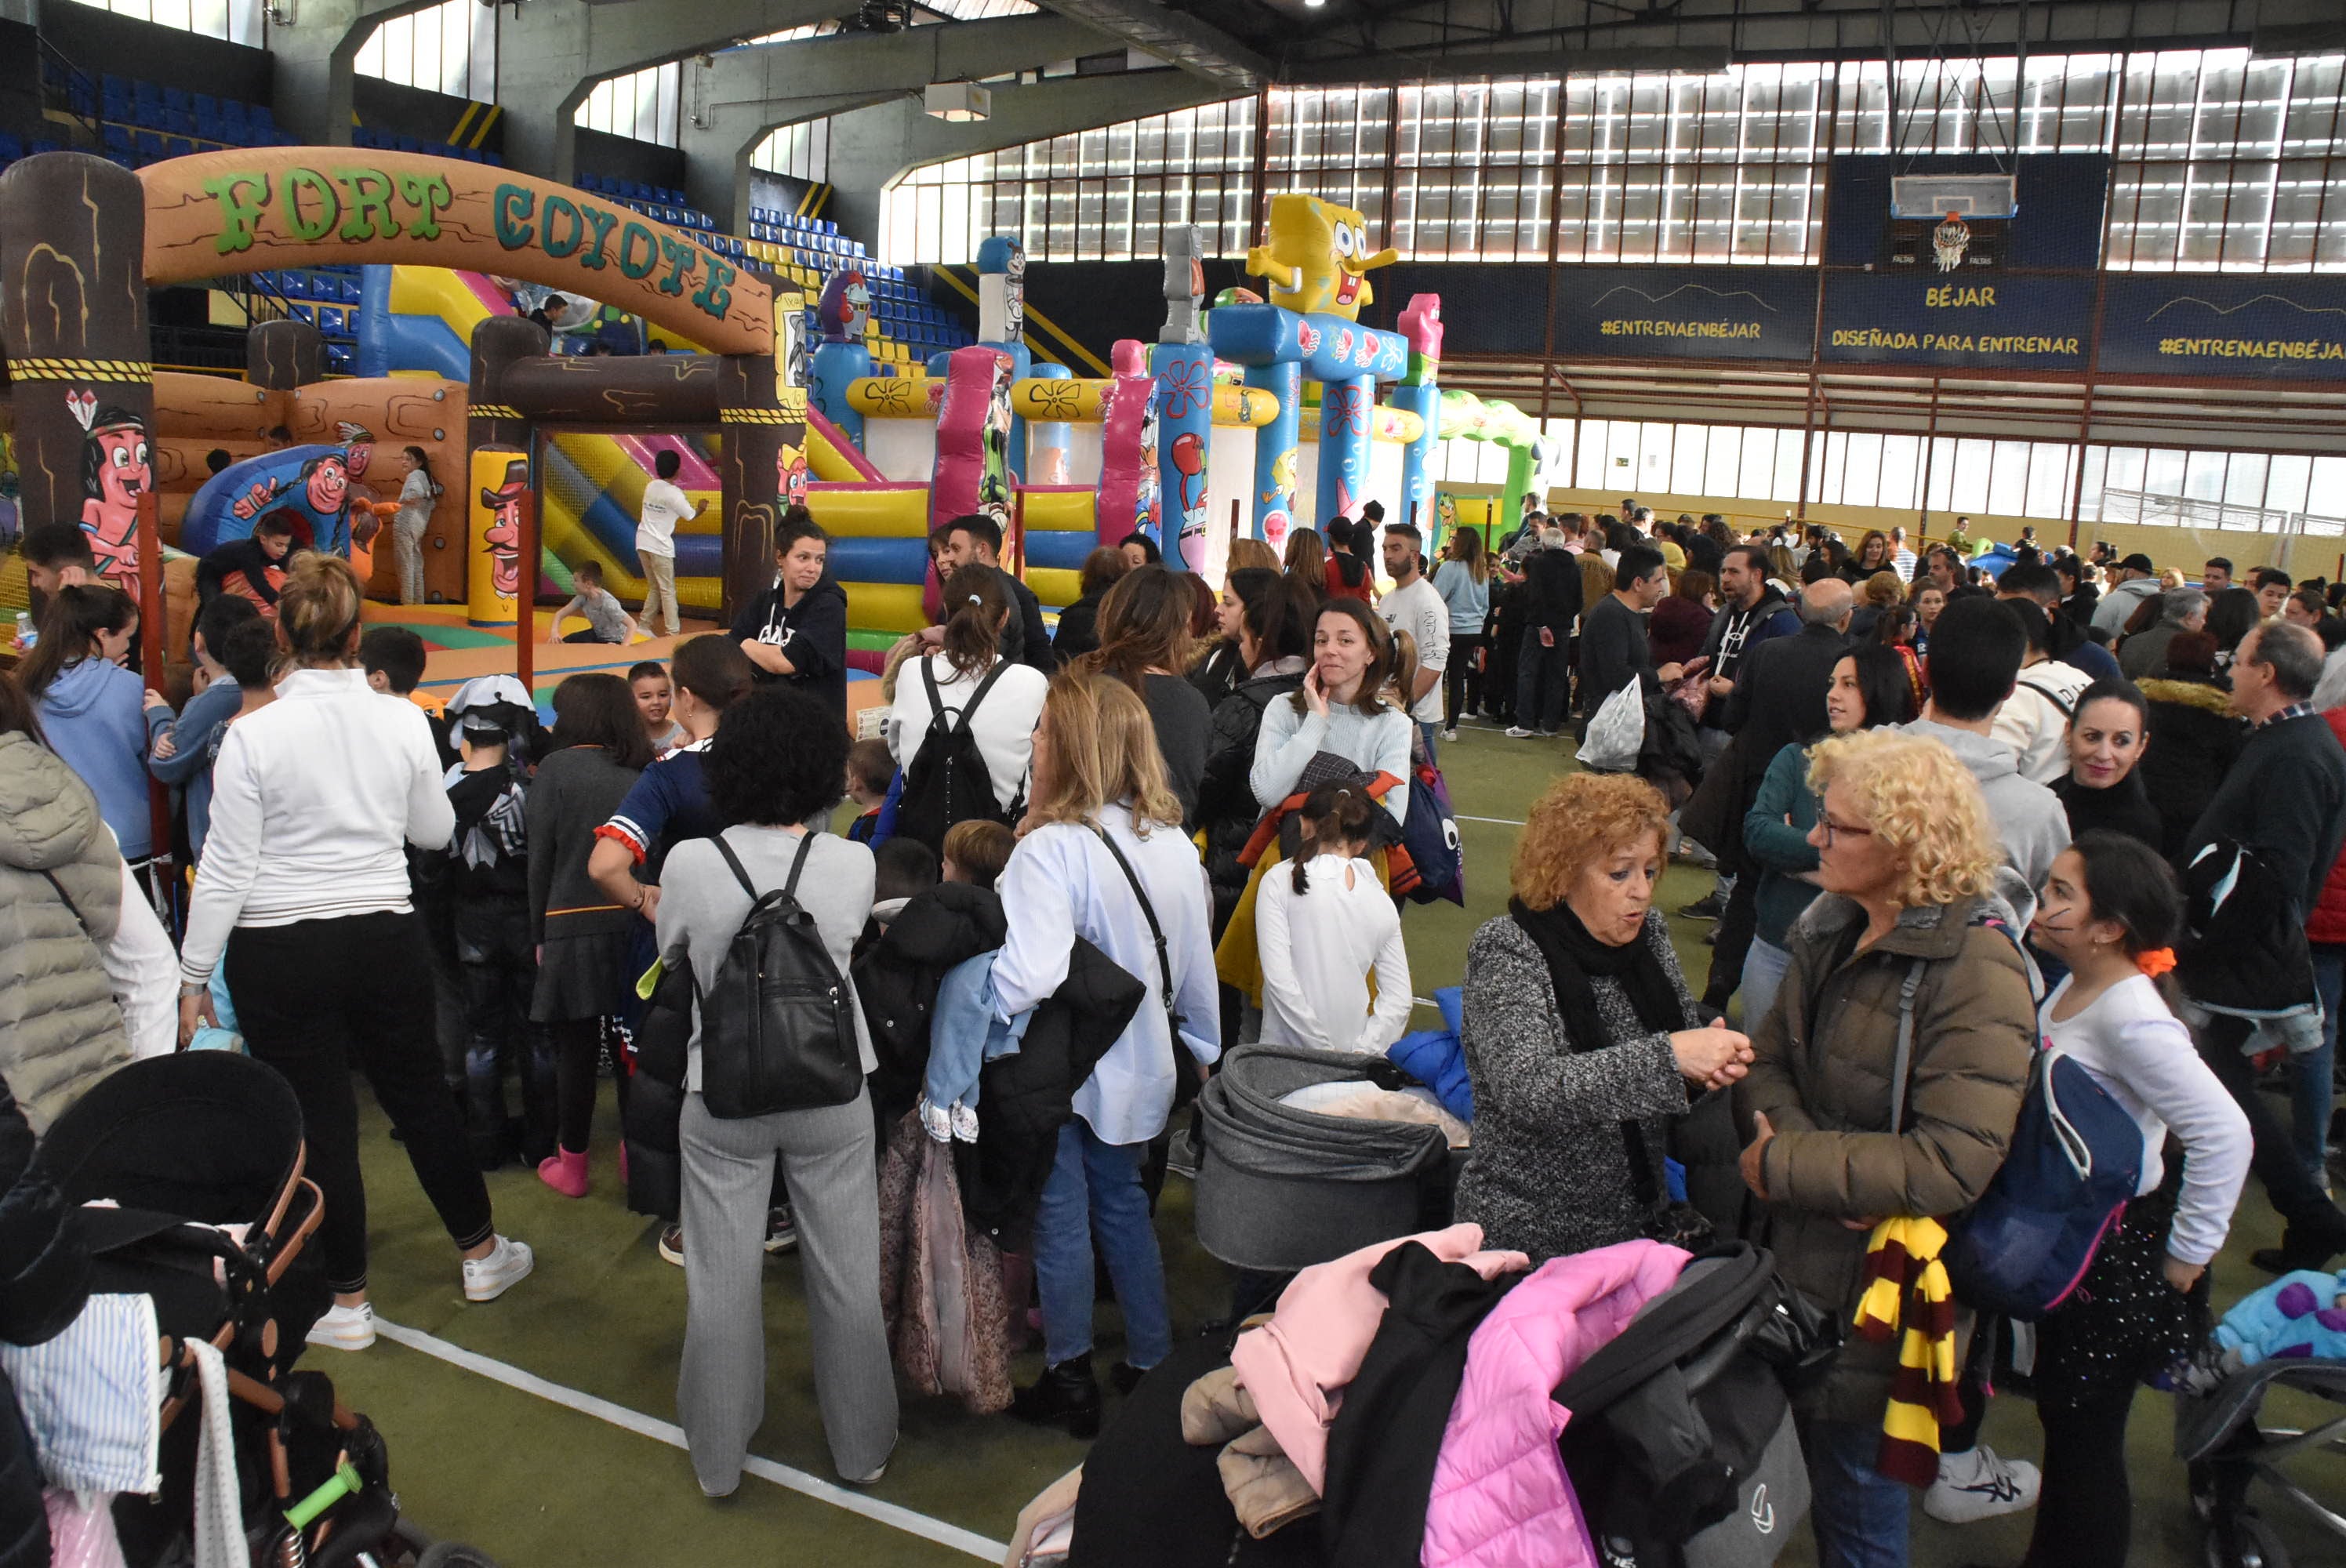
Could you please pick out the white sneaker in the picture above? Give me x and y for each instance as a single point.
(1980, 1485)
(508, 1263)
(1451, 733)
(344, 1328)
(1519, 733)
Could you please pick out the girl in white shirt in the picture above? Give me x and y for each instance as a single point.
(417, 494)
(2110, 908)
(1324, 925)
(979, 607)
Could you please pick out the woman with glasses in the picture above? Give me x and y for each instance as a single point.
(1897, 944)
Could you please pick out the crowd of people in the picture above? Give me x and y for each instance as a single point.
(1953, 811)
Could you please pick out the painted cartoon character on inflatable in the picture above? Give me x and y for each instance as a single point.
(790, 476)
(114, 472)
(503, 538)
(1317, 258)
(844, 306)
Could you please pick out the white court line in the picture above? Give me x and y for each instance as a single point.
(1500, 821)
(668, 1432)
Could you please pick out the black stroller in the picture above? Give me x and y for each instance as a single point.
(187, 1148)
(2229, 1449)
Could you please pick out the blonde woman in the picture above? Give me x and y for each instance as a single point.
(1103, 832)
(303, 895)
(1907, 857)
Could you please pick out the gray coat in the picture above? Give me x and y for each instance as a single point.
(1550, 1172)
(60, 1029)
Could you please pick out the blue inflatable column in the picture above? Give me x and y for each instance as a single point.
(1417, 489)
(1346, 409)
(836, 365)
(1185, 433)
(1274, 450)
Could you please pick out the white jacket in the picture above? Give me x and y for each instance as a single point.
(314, 800)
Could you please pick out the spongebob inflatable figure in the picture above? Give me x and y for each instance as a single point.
(1318, 260)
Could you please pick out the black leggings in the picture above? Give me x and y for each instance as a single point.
(1462, 683)
(311, 998)
(2085, 1512)
(577, 1059)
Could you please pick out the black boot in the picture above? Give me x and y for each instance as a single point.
(491, 1135)
(1067, 1396)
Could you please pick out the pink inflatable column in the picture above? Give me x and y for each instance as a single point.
(1128, 481)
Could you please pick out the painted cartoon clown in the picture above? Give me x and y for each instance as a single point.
(1317, 258)
(503, 538)
(114, 472)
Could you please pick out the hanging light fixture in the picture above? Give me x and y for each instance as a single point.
(958, 101)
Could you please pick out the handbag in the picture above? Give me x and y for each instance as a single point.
(1185, 1085)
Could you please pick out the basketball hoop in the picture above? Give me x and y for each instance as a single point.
(1949, 241)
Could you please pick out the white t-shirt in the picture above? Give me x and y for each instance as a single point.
(1004, 728)
(1319, 947)
(665, 506)
(1420, 611)
(2143, 1056)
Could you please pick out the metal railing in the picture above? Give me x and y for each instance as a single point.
(2190, 512)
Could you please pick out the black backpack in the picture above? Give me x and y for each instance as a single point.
(777, 1026)
(947, 782)
(1681, 1443)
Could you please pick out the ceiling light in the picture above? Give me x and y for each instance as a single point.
(1313, 5)
(958, 101)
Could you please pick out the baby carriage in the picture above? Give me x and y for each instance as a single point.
(2229, 1450)
(195, 1164)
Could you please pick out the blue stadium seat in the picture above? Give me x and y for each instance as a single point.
(177, 98)
(117, 139)
(149, 145)
(232, 111)
(349, 290)
(261, 116)
(304, 313)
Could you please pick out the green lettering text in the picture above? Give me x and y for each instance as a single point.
(369, 205)
(713, 295)
(509, 211)
(429, 193)
(309, 230)
(561, 206)
(682, 253)
(600, 222)
(239, 213)
(635, 236)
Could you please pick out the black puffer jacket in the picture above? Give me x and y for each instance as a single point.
(896, 981)
(1028, 1096)
(1227, 808)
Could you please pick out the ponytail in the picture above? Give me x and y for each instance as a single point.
(977, 606)
(1332, 815)
(318, 611)
(70, 625)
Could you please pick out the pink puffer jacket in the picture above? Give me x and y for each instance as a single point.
(1501, 1497)
(1297, 1365)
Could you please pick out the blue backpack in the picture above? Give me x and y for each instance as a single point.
(2075, 1159)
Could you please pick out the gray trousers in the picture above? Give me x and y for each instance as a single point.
(827, 1160)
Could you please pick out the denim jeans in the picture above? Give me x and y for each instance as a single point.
(1095, 1190)
(1763, 972)
(2310, 1094)
(1542, 682)
(1859, 1515)
(1429, 733)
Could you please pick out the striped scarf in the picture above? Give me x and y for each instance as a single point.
(1907, 1294)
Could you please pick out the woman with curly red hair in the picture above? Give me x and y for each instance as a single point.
(1581, 1040)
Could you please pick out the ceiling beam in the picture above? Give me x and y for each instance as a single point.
(1176, 37)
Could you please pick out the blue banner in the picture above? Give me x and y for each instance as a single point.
(1958, 320)
(1685, 312)
(2276, 328)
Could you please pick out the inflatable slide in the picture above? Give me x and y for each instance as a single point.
(421, 320)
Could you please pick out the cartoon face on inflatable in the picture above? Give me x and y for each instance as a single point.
(845, 305)
(114, 472)
(503, 538)
(326, 483)
(358, 449)
(1317, 258)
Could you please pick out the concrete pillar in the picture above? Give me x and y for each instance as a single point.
(312, 60)
(747, 93)
(871, 147)
(551, 52)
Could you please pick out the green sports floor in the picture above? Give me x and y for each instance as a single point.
(540, 1427)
